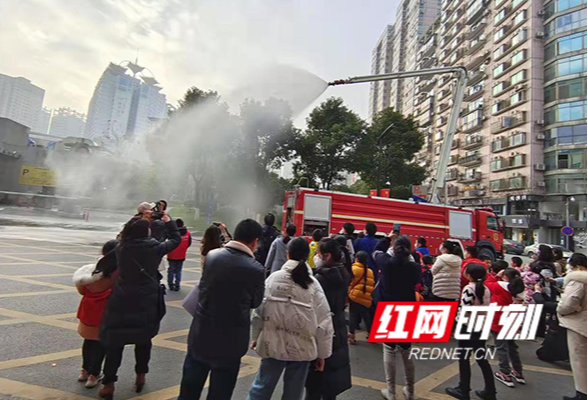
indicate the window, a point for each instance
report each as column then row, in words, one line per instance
column 474, row 8
column 492, row 223
column 517, row 183
column 474, row 105
column 472, row 120
column 575, row 134
column 518, row 139
column 566, row 22
column 520, row 17
column 499, row 34
column 558, row 6
column 518, row 57
column 569, row 183
column 565, row 112
column 498, row 144
column 499, row 51
column 518, row 160
column 565, row 89
column 499, row 69
column 496, row 107
column 565, row 159
column 565, row 44
column 497, row 164
column 565, row 66
column 500, row 16
column 517, row 98
column 518, row 77
column 519, row 37
column 499, row 88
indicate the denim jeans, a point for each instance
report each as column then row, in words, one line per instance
column 174, row 273
column 270, row 371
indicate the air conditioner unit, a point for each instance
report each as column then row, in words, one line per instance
column 540, row 136
column 518, row 88
column 540, row 167
column 540, row 122
column 541, row 13
column 515, row 133
column 541, row 183
column 540, row 34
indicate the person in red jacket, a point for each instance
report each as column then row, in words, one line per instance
column 94, row 282
column 471, row 256
column 506, row 290
column 176, row 258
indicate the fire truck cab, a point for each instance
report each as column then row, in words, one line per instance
column 311, row 209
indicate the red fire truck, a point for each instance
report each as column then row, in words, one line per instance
column 311, row 209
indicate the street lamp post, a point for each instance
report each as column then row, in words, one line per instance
column 378, row 142
column 569, row 200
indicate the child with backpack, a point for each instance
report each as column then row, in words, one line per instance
column 507, row 289
column 475, row 293
column 94, row 282
column 176, row 258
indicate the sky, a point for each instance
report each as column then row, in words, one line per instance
column 63, row 46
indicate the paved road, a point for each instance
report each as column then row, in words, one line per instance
column 40, row 348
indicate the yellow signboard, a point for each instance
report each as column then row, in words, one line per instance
column 36, row 176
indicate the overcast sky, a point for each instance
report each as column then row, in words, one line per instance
column 64, row 46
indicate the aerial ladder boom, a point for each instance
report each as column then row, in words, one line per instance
column 461, row 75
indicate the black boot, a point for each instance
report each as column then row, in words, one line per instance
column 458, row 393
column 578, row 396
column 484, row 395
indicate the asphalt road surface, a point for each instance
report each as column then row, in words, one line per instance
column 40, row 350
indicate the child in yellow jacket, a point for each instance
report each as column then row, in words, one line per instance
column 317, row 235
column 360, row 294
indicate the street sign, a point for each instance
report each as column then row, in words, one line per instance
column 373, row 192
column 385, row 193
column 567, row 230
column 420, row 191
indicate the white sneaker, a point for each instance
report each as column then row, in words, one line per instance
column 83, row 377
column 407, row 393
column 93, row 381
column 387, row 395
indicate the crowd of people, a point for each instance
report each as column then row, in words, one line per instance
column 287, row 298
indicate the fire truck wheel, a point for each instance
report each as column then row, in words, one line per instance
column 487, row 252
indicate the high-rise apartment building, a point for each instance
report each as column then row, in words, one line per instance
column 381, row 64
column 20, row 100
column 125, row 102
column 397, row 51
column 67, row 122
column 43, row 121
column 521, row 141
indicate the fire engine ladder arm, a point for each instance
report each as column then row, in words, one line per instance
column 462, row 78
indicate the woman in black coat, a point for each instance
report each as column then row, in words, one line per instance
column 398, row 278
column 334, row 377
column 135, row 307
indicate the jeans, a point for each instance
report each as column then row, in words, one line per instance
column 114, row 359
column 508, row 352
column 390, row 350
column 269, row 374
column 222, row 379
column 357, row 313
column 465, row 369
column 92, row 356
column 174, row 273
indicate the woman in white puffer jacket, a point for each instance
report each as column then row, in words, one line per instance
column 291, row 328
column 447, row 273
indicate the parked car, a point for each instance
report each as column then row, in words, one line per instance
column 531, row 250
column 512, row 247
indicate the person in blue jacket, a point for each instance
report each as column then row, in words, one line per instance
column 368, row 244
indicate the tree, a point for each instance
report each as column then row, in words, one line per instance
column 390, row 160
column 195, row 96
column 325, row 149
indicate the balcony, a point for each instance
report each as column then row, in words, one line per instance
column 471, row 160
column 476, row 44
column 472, row 142
column 477, row 61
column 427, row 86
column 502, row 164
column 455, row 144
column 473, row 93
column 473, row 193
column 455, row 57
column 475, row 11
column 472, row 121
column 442, row 107
column 446, row 3
column 452, row 190
column 451, row 174
column 510, row 142
column 453, row 159
column 514, row 183
column 508, row 122
column 470, row 178
column 443, row 94
column 477, row 29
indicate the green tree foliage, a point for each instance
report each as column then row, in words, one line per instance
column 325, row 149
column 390, row 159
